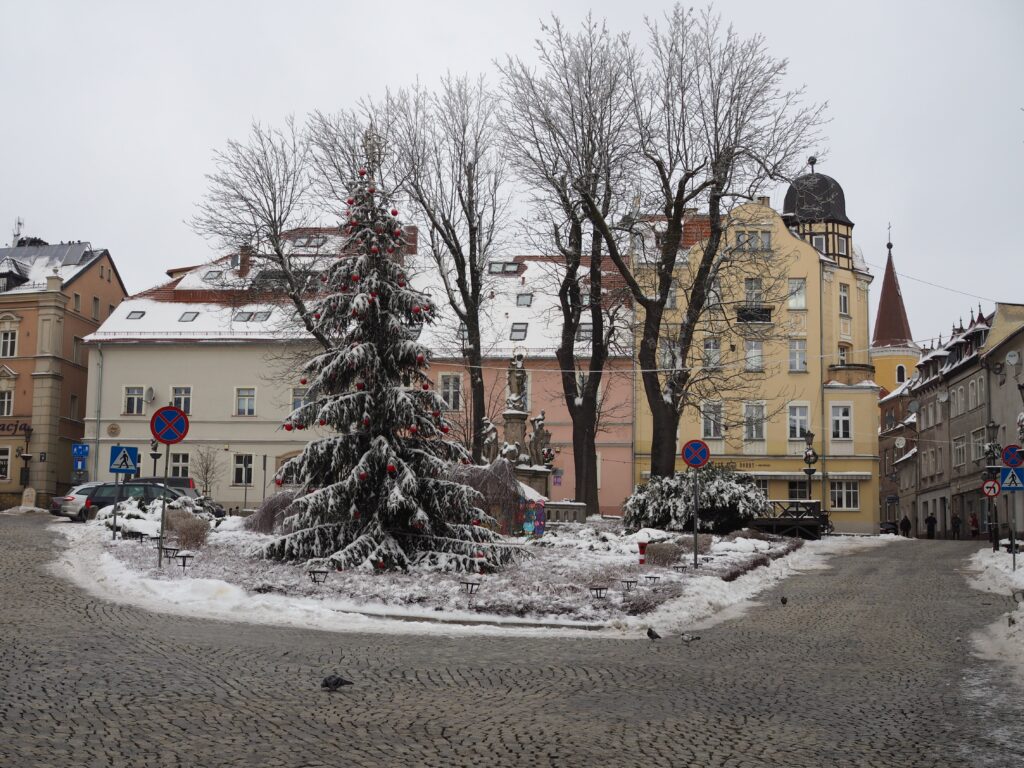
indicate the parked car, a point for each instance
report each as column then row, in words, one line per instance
column 69, row 504
column 105, row 494
column 888, row 526
column 187, row 486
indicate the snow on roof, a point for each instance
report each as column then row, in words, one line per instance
column 906, row 456
column 900, row 390
column 35, row 263
column 529, row 493
column 140, row 319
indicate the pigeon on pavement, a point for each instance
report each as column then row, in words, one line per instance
column 652, row 634
column 334, row 682
column 785, row 600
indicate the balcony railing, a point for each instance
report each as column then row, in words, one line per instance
column 754, row 313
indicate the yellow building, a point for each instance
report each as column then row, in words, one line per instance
column 783, row 350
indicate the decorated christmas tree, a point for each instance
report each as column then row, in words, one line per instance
column 379, row 491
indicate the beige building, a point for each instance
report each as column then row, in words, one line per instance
column 51, row 297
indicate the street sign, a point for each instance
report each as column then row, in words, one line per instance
column 990, row 488
column 79, row 465
column 1011, row 479
column 80, row 450
column 1013, row 456
column 696, row 453
column 169, row 425
column 123, row 460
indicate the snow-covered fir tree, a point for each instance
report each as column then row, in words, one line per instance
column 378, row 492
column 728, row 500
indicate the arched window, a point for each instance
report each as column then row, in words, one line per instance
column 901, row 374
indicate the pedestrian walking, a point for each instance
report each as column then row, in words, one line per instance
column 905, row 527
column 955, row 524
column 930, row 522
column 972, row 523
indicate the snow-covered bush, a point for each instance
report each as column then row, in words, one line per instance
column 191, row 529
column 270, row 514
column 728, row 500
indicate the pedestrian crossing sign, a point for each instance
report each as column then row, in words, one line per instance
column 1012, row 479
column 124, row 460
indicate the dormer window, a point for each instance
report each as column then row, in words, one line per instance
column 260, row 317
column 242, row 317
column 524, row 299
column 518, row 331
column 585, row 332
column 188, row 317
column 136, row 314
column 213, row 274
column 503, row 268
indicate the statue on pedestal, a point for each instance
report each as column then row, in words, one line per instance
column 516, row 400
column 540, row 442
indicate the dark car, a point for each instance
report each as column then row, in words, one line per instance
column 187, row 487
column 106, row 494
column 888, row 526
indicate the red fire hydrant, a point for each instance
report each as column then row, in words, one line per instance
column 642, row 546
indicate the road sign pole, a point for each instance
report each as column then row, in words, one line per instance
column 696, row 513
column 163, row 508
column 117, row 500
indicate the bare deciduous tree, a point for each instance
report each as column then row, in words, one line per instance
column 204, row 468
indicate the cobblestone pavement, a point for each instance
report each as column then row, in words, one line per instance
column 868, row 665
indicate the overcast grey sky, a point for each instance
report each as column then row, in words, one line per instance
column 114, row 108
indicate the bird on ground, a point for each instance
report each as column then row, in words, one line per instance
column 652, row 634
column 334, row 682
column 785, row 600
column 688, row 638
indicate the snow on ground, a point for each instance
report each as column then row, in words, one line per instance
column 1001, row 640
column 24, row 511
column 549, row 591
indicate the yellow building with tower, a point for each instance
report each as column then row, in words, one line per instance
column 782, row 350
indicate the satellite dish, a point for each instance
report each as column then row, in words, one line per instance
column 901, row 443
column 1012, row 357
column 913, row 406
column 943, row 397
column 150, row 395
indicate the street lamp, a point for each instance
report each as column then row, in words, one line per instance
column 154, row 454
column 25, row 456
column 991, row 472
column 810, row 455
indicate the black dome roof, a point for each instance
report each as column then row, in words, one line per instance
column 815, row 197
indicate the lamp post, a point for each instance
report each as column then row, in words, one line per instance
column 154, row 454
column 25, row 456
column 810, row 459
column 992, row 451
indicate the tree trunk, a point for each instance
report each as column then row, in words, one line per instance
column 585, row 460
column 478, row 408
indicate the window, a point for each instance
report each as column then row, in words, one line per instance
column 110, row 309
column 502, row 267
column 841, row 245
column 818, row 242
column 524, row 299
column 754, row 241
column 300, row 397
column 8, row 343
column 188, row 317
column 181, row 397
column 844, row 299
column 843, row 355
column 959, row 451
column 73, row 408
column 78, row 302
column 753, row 421
column 845, row 494
column 245, row 401
column 95, row 308
column 753, row 291
column 978, row 444
column 981, row 391
column 451, row 391
column 754, row 355
column 5, row 463
column 799, row 490
column 6, row 403
column 798, row 355
column 101, row 271
column 76, row 350
column 901, row 374
column 133, row 403
column 711, row 421
column 712, row 353
column 797, row 293
column 179, row 465
column 213, row 274
column 136, row 314
column 585, row 332
column 762, row 486
column 518, row 331
column 842, row 417
column 242, row 317
column 260, row 317
column 799, row 421
column 972, row 396
column 243, row 469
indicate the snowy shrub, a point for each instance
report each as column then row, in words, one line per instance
column 665, row 553
column 191, row 530
column 748, row 565
column 271, row 513
column 728, row 501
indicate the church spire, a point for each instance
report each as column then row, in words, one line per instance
column 892, row 329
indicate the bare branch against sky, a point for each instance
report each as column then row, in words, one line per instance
column 111, row 141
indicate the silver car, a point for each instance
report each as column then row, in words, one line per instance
column 71, row 503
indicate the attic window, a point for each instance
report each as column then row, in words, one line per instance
column 188, row 317
column 136, row 314
column 213, row 274
column 259, row 317
column 524, row 299
column 503, row 268
column 518, row 331
column 510, row 268
column 314, row 241
column 242, row 317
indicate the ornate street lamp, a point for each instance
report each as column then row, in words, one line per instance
column 810, row 455
column 154, row 454
column 25, row 456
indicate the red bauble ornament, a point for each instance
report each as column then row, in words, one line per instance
column 401, row 283
column 426, row 387
column 316, row 315
column 302, row 380
column 323, row 422
column 413, row 429
column 355, row 515
column 401, row 276
column 362, row 172
column 351, row 201
column 287, row 427
column 360, row 386
column 362, row 476
column 323, row 278
column 300, row 426
column 371, row 190
column 392, row 469
column 394, row 211
column 366, row 421
column 416, row 309
column 480, row 554
column 392, row 250
column 355, row 313
column 444, row 429
column 278, row 481
column 380, row 564
column 373, row 294
column 419, row 359
column 355, row 278
column 436, row 414
column 374, row 249
column 397, row 233
column 476, row 521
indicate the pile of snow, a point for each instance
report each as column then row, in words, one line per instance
column 23, row 511
column 1002, row 640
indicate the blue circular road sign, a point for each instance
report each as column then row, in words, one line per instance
column 169, row 425
column 696, row 453
column 1013, row 456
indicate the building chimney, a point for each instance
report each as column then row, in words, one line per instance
column 53, row 281
column 244, row 260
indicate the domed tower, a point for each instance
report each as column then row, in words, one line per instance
column 893, row 351
column 815, row 210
